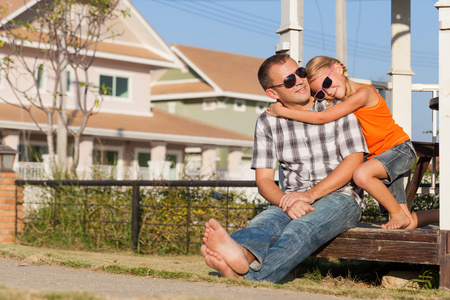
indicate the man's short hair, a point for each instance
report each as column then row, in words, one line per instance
column 263, row 72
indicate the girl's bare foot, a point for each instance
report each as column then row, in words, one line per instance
column 220, row 242
column 397, row 221
column 218, row 264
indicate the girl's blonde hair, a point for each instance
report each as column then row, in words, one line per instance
column 319, row 62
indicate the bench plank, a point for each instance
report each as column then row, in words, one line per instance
column 369, row 242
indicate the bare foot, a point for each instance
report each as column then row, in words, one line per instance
column 220, row 242
column 218, row 264
column 414, row 222
column 397, row 221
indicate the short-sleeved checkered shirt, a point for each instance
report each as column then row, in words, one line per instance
column 306, row 152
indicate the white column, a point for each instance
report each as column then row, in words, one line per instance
column 11, row 138
column 158, row 151
column 208, row 161
column 85, row 163
column 401, row 63
column 158, row 167
column 291, row 29
column 234, row 164
column 444, row 112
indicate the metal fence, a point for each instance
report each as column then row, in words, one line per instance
column 134, row 214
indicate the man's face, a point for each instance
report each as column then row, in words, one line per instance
column 298, row 95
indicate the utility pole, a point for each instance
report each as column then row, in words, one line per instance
column 291, row 29
column 341, row 32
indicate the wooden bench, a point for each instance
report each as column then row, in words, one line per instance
column 368, row 241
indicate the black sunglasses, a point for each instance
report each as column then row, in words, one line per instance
column 327, row 82
column 291, row 79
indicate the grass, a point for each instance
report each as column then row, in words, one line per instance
column 328, row 277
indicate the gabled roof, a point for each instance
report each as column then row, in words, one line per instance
column 136, row 42
column 12, row 6
column 222, row 74
column 162, row 126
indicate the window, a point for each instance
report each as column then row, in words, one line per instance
column 239, row 105
column 260, row 107
column 40, row 76
column 173, row 160
column 106, row 157
column 114, row 86
column 32, row 153
column 68, row 81
column 143, row 159
column 209, row 104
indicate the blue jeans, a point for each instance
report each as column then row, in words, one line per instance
column 280, row 243
column 397, row 161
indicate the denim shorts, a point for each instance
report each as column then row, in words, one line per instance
column 397, row 161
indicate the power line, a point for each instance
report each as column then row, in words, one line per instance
column 217, row 11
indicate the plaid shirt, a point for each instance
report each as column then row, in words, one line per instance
column 306, row 152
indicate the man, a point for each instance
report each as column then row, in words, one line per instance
column 317, row 162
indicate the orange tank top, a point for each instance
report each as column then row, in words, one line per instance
column 379, row 128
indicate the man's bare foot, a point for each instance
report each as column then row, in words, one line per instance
column 220, row 242
column 218, row 264
column 397, row 221
column 414, row 222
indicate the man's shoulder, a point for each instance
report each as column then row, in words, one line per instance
column 265, row 119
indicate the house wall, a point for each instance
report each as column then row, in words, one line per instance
column 137, row 102
column 225, row 113
column 23, row 80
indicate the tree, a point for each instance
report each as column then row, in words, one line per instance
column 54, row 38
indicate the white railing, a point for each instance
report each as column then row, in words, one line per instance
column 37, row 171
column 31, row 170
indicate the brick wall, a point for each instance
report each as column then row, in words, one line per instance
column 8, row 207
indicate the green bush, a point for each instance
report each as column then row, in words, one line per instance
column 171, row 219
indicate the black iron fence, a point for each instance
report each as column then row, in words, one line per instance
column 147, row 216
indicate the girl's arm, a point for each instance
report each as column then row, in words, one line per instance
column 352, row 103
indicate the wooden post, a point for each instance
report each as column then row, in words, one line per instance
column 444, row 260
column 11, row 214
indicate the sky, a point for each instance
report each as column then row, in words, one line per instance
column 248, row 27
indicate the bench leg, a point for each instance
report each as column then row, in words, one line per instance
column 444, row 260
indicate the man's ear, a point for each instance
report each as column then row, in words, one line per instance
column 272, row 94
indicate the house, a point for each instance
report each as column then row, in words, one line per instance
column 126, row 137
column 216, row 87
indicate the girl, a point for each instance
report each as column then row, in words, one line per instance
column 391, row 153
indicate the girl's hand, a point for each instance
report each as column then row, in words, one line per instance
column 275, row 109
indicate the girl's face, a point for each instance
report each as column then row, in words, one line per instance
column 320, row 83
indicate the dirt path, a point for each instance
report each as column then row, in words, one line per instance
column 17, row 274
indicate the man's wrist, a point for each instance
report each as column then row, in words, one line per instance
column 312, row 196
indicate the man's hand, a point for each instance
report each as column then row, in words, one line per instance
column 289, row 199
column 299, row 209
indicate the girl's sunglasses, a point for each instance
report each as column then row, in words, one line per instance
column 291, row 79
column 320, row 95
